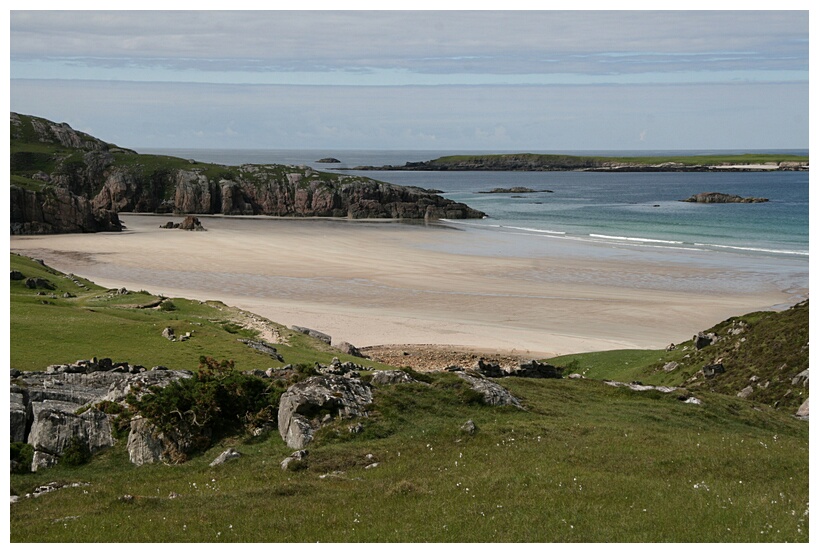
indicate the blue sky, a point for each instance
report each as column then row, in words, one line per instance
column 480, row 80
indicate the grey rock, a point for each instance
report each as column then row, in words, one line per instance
column 638, row 387
column 386, row 378
column 746, row 392
column 263, row 347
column 54, row 429
column 720, row 198
column 145, row 443
column 469, row 427
column 702, row 340
column 670, row 366
column 168, row 333
column 299, row 455
column 227, row 455
column 804, row 410
column 326, row 338
column 302, row 405
column 801, row 379
column 710, row 371
column 19, row 414
column 493, row 393
column 349, row 349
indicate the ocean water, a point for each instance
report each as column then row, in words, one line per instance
column 637, row 210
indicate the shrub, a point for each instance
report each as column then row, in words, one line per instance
column 77, row 453
column 167, row 305
column 22, row 455
column 217, row 402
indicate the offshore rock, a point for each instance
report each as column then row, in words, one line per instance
column 720, row 198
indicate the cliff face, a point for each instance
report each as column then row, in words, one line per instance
column 111, row 179
column 57, row 210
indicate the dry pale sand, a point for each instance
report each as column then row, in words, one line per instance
column 385, row 283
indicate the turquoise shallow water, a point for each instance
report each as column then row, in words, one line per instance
column 617, row 208
column 634, row 217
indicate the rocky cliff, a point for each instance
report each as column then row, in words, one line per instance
column 87, row 180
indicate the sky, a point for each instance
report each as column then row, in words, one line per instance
column 521, row 80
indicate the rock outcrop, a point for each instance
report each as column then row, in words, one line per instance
column 493, row 393
column 309, row 403
column 720, row 198
column 56, row 210
column 55, row 409
column 83, row 187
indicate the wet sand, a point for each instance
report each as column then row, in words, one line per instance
column 371, row 283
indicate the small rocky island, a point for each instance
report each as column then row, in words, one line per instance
column 513, row 190
column 720, row 198
column 328, row 160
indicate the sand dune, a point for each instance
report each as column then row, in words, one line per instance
column 385, row 283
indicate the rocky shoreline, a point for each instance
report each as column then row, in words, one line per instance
column 85, row 182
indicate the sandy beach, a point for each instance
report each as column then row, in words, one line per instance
column 372, row 283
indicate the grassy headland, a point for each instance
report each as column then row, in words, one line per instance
column 560, row 162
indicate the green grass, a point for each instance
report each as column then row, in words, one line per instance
column 766, row 356
column 547, row 159
column 585, row 463
column 48, row 330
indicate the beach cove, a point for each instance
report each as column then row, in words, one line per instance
column 378, row 282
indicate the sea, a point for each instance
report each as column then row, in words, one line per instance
column 618, row 209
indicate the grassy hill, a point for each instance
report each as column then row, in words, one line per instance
column 764, row 351
column 583, row 462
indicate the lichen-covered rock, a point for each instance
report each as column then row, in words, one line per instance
column 493, row 393
column 303, row 406
column 385, row 378
column 44, row 405
column 145, row 443
column 54, row 429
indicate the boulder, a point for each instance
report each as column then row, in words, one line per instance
column 801, row 379
column 54, row 429
column 746, row 392
column 263, row 347
column 386, row 378
column 227, row 455
column 145, row 443
column 702, row 340
column 493, row 393
column 349, row 349
column 305, row 404
column 670, row 366
column 294, row 460
column 710, row 371
column 804, row 410
column 489, row 370
column 191, row 223
column 535, row 369
column 326, row 338
column 469, row 427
